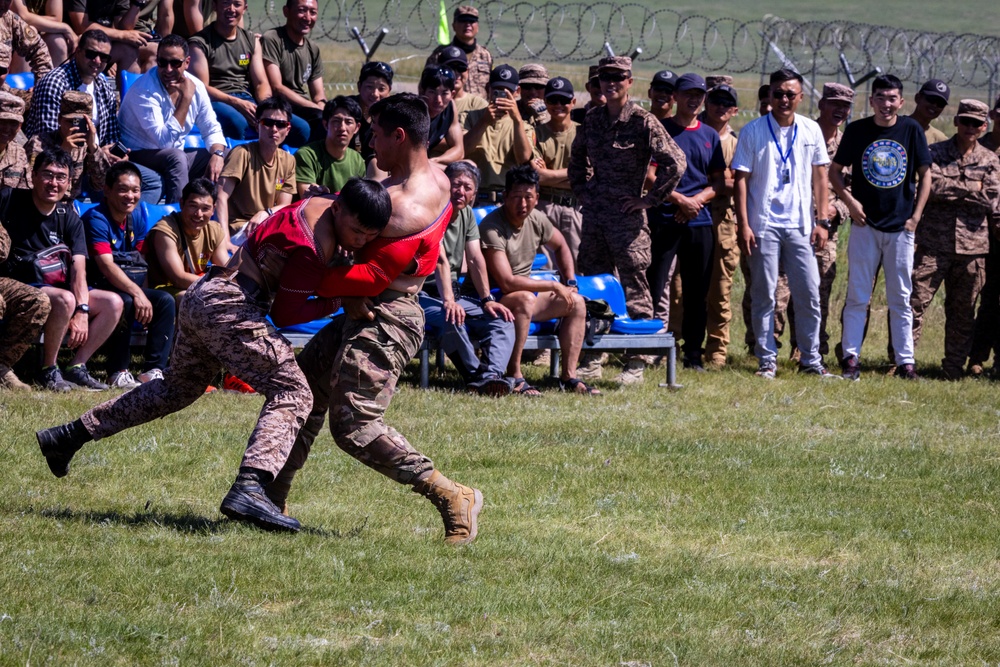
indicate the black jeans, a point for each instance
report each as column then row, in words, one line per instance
column 693, row 247
column 159, row 335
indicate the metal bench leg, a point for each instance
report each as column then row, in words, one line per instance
column 554, row 363
column 672, row 369
column 440, row 360
column 425, row 368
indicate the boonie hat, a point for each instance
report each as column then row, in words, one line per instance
column 973, row 109
column 936, row 88
column 838, row 92
column 716, row 80
column 466, row 14
column 691, row 81
column 559, row 87
column 664, row 79
column 592, row 73
column 76, row 104
column 615, row 64
column 11, row 107
column 504, row 76
column 533, row 75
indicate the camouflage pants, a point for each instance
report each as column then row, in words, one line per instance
column 352, row 367
column 568, row 220
column 827, row 261
column 988, row 317
column 23, row 310
column 613, row 242
column 781, row 297
column 219, row 324
column 720, row 287
column 963, row 277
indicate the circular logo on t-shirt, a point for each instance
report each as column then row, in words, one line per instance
column 884, row 163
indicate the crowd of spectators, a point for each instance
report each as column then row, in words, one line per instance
column 671, row 200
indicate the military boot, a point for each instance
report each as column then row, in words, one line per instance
column 459, row 506
column 246, row 501
column 60, row 443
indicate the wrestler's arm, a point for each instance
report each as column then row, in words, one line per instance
column 376, row 266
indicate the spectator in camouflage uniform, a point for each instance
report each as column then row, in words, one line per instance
column 479, row 60
column 617, row 141
column 988, row 317
column 953, row 237
column 23, row 311
column 17, row 36
column 531, row 104
column 15, row 171
column 81, row 145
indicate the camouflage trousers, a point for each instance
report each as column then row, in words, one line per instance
column 781, row 297
column 963, row 277
column 220, row 324
column 613, row 242
column 568, row 220
column 826, row 259
column 23, row 310
column 720, row 288
column 352, row 367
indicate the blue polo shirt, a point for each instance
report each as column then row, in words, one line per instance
column 703, row 150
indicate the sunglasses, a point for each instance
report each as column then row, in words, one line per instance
column 558, row 100
column 784, row 94
column 165, row 63
column 971, row 122
column 94, row 54
column 458, row 67
column 274, row 122
column 723, row 102
column 379, row 68
column 612, row 76
column 446, row 73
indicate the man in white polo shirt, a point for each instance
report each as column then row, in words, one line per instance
column 780, row 170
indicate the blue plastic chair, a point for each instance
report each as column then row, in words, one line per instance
column 233, row 143
column 155, row 212
column 311, row 328
column 483, row 211
column 83, row 206
column 606, row 286
column 290, row 149
column 127, row 79
column 21, row 80
column 194, row 141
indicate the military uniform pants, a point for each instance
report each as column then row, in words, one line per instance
column 963, row 277
column 720, row 288
column 568, row 220
column 615, row 242
column 984, row 341
column 24, row 310
column 220, row 324
column 352, row 367
column 826, row 260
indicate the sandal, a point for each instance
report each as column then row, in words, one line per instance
column 578, row 386
column 522, row 388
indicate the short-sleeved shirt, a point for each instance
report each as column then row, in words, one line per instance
column 313, row 164
column 30, row 231
column 299, row 64
column 934, row 135
column 462, row 230
column 195, row 253
column 884, row 163
column 703, row 151
column 520, row 245
column 100, row 11
column 494, row 154
column 105, row 236
column 228, row 59
column 257, row 183
column 555, row 148
column 467, row 103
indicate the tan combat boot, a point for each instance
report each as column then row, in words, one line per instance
column 459, row 506
column 632, row 373
column 10, row 381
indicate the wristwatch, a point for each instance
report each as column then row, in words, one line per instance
column 824, row 223
column 82, row 308
column 219, row 153
column 488, row 299
column 571, row 282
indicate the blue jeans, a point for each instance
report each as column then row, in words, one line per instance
column 793, row 249
column 495, row 336
column 236, row 126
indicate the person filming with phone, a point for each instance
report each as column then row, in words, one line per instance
column 497, row 138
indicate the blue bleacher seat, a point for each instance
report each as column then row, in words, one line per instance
column 21, row 80
column 606, row 286
column 290, row 149
column 127, row 79
column 483, row 211
column 233, row 143
column 541, row 259
column 311, row 328
column 194, row 141
column 83, row 206
column 156, row 212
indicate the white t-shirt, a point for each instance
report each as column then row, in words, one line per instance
column 89, row 89
column 783, row 209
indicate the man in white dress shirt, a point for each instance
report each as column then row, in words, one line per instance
column 780, row 169
column 160, row 110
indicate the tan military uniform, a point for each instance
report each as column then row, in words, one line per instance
column 559, row 203
column 934, row 135
column 23, row 309
column 619, row 150
column 952, row 241
column 987, row 336
column 727, row 258
column 466, row 104
column 18, row 36
column 494, row 154
column 15, row 171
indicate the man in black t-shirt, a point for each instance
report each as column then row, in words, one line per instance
column 38, row 219
column 886, row 153
column 118, row 19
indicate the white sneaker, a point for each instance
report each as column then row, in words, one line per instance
column 123, row 380
column 150, row 375
column 632, row 373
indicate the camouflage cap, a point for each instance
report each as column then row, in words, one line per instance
column 973, row 109
column 76, row 103
column 615, row 63
column 466, row 14
column 533, row 75
column 718, row 80
column 593, row 71
column 838, row 92
column 11, row 107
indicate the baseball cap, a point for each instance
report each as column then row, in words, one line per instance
column 466, row 14
column 533, row 75
column 936, row 88
column 76, row 104
column 724, row 93
column 837, row 92
column 504, row 76
column 11, row 107
column 453, row 57
column 592, row 73
column 691, row 81
column 973, row 109
column 615, row 63
column 715, row 80
column 559, row 87
column 664, row 79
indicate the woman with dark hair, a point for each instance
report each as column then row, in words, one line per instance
column 437, row 88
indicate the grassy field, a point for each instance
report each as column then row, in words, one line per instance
column 735, row 522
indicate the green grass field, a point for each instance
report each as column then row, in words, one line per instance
column 734, row 522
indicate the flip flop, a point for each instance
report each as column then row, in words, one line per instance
column 522, row 388
column 578, row 386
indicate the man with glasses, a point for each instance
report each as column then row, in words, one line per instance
column 294, row 66
column 85, row 72
column 259, row 177
column 780, row 166
column 987, row 336
column 478, row 58
column 953, row 237
column 119, row 21
column 158, row 113
column 607, row 171
column 325, row 166
column 886, row 153
column 931, row 100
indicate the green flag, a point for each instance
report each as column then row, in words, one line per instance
column 443, row 35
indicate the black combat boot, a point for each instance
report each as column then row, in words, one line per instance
column 60, row 443
column 246, row 501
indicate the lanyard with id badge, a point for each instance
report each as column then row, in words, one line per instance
column 785, row 172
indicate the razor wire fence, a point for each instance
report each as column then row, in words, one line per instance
column 581, row 32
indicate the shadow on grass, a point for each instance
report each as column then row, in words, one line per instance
column 183, row 523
